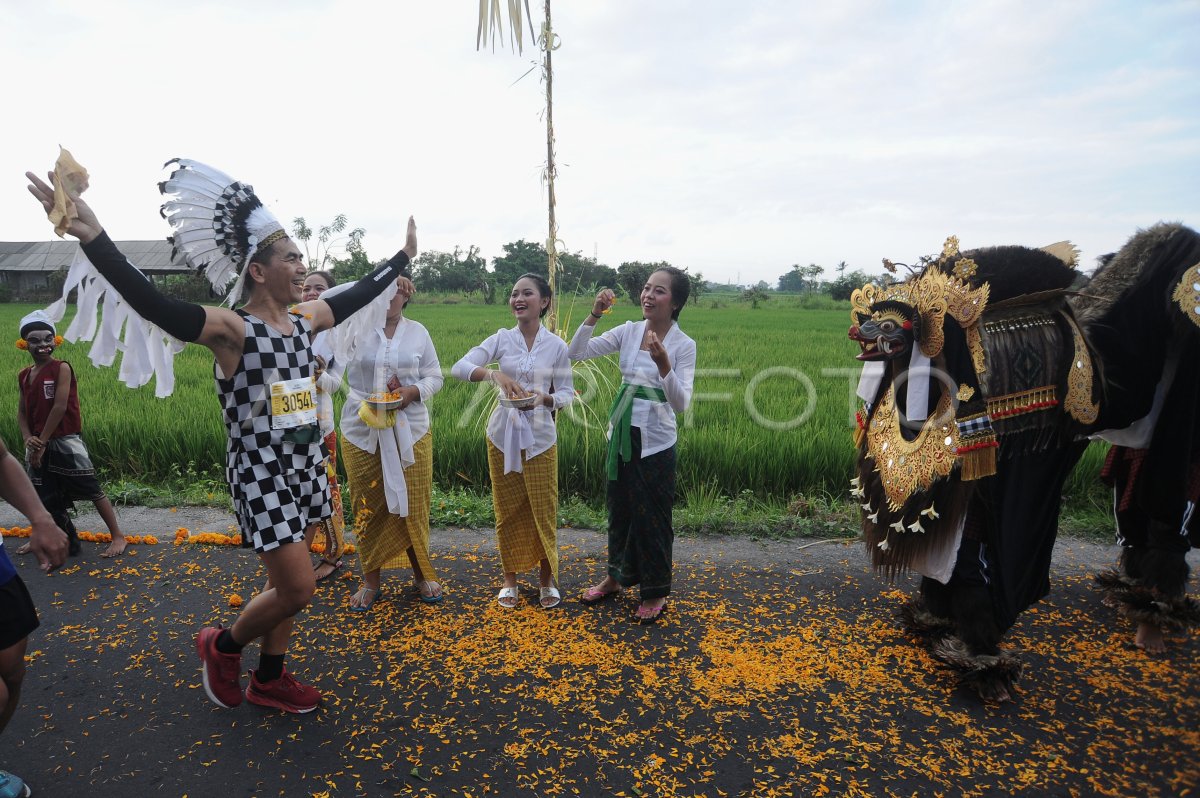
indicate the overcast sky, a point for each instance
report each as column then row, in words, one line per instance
column 734, row 139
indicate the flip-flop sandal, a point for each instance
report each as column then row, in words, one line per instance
column 337, row 566
column 592, row 596
column 507, row 593
column 647, row 616
column 421, row 593
column 375, row 594
column 550, row 592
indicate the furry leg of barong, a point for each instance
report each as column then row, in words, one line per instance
column 526, row 505
column 990, row 676
column 920, row 620
column 384, row 538
column 1142, row 604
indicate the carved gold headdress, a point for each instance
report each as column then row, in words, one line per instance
column 941, row 289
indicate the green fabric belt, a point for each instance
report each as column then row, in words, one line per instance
column 620, row 416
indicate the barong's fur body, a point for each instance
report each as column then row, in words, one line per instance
column 1045, row 364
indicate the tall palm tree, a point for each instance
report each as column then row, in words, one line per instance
column 491, row 24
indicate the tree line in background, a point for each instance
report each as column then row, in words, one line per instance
column 807, row 280
column 466, row 271
column 339, row 249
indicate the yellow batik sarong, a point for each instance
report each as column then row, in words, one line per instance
column 330, row 532
column 384, row 538
column 526, row 505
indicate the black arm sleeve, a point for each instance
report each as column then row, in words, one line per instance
column 184, row 320
column 356, row 297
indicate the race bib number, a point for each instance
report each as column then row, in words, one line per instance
column 292, row 403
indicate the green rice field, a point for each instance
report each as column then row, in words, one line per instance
column 772, row 414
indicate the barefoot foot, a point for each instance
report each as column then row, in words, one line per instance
column 116, row 548
column 1150, row 638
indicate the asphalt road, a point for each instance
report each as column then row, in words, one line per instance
column 779, row 670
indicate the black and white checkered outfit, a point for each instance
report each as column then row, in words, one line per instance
column 278, row 487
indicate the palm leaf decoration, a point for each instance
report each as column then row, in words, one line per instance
column 491, row 26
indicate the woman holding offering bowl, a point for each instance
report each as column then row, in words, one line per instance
column 533, row 375
column 387, row 447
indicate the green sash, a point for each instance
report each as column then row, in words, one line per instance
column 620, row 416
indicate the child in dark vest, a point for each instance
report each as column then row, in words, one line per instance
column 50, row 422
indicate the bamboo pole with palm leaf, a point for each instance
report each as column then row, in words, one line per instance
column 491, row 23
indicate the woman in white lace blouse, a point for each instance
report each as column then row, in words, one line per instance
column 658, row 363
column 389, row 454
column 533, row 375
column 327, row 374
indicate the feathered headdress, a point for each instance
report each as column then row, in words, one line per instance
column 219, row 223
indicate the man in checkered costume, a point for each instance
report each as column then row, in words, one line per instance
column 263, row 370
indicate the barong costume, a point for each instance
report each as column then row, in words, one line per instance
column 977, row 387
column 1142, row 311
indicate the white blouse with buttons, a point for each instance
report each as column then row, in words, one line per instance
column 543, row 367
column 408, row 355
column 655, row 419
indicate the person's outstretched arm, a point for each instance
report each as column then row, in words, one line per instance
column 582, row 346
column 47, row 542
column 325, row 313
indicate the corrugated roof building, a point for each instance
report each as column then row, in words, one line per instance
column 36, row 269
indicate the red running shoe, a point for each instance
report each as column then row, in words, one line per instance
column 222, row 674
column 283, row 693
